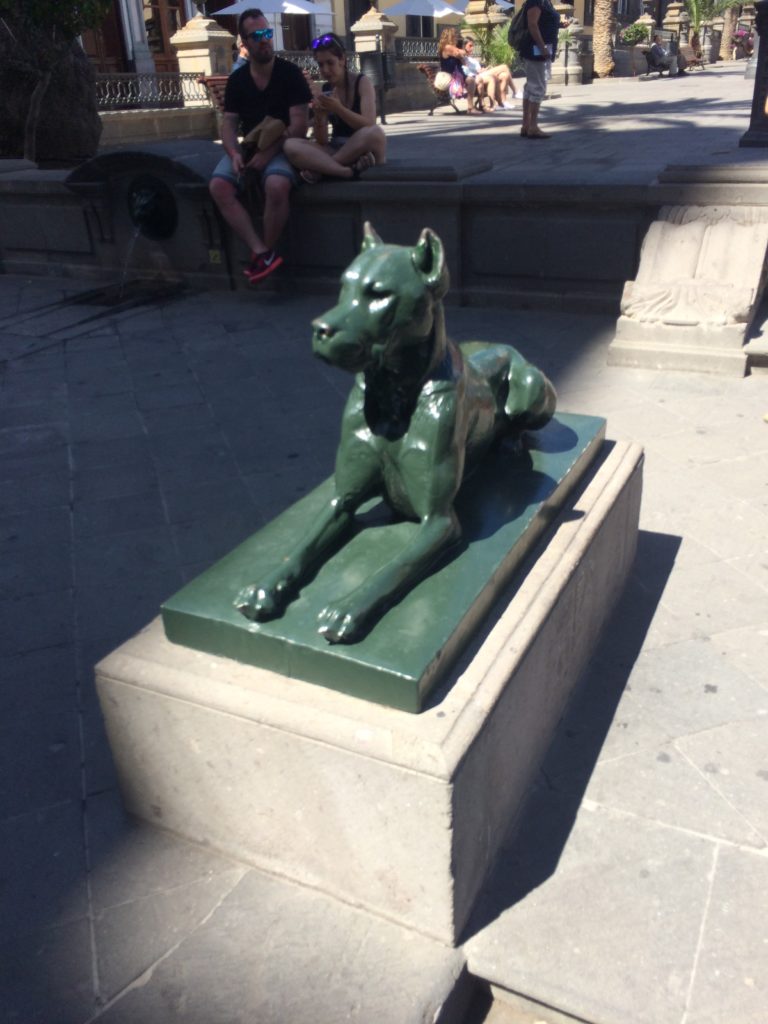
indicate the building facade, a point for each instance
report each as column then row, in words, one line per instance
column 136, row 34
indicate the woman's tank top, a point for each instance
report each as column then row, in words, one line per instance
column 341, row 130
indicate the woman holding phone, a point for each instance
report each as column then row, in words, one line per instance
column 347, row 139
column 537, row 51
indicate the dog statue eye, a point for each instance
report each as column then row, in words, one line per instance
column 379, row 296
column 380, row 302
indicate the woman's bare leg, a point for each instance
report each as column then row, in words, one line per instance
column 488, row 82
column 504, row 79
column 471, row 87
column 366, row 140
column 306, row 155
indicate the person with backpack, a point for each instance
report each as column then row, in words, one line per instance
column 533, row 33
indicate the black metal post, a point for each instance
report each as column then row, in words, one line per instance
column 757, row 133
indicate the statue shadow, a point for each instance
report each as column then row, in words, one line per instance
column 539, row 833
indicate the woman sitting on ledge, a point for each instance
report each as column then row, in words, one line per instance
column 348, row 104
column 493, row 82
column 452, row 57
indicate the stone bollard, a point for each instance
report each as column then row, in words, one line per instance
column 203, row 47
column 375, row 43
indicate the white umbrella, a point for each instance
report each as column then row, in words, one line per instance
column 426, row 8
column 275, row 7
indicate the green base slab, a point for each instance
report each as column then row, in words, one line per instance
column 503, row 507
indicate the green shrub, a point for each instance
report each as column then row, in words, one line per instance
column 634, row 34
column 492, row 44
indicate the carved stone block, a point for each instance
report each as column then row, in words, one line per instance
column 702, row 273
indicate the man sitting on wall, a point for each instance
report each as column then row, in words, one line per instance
column 266, row 86
column 662, row 58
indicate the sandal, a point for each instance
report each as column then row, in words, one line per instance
column 363, row 163
column 310, row 177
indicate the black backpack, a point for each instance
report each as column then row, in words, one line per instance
column 518, row 28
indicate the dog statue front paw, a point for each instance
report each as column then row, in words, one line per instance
column 259, row 603
column 339, row 625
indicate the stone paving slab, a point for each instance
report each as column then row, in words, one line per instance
column 254, row 948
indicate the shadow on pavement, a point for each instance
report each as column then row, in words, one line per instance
column 541, row 832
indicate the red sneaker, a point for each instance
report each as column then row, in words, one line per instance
column 262, row 265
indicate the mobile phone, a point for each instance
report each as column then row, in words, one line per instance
column 537, row 51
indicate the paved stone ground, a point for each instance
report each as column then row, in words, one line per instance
column 617, row 132
column 137, row 448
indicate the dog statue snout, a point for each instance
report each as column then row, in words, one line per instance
column 336, row 346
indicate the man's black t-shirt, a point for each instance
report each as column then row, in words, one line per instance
column 287, row 88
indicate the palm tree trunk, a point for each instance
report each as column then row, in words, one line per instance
column 602, row 38
column 730, row 21
column 33, row 115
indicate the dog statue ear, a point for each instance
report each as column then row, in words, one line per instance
column 429, row 259
column 370, row 238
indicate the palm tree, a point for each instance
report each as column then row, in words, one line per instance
column 602, row 37
column 700, row 11
column 730, row 21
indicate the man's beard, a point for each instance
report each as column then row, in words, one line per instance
column 263, row 56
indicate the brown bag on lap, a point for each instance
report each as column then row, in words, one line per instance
column 266, row 132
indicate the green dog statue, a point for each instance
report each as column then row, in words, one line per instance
column 421, row 409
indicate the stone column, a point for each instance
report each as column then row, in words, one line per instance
column 673, row 16
column 204, row 48
column 135, row 35
column 484, row 14
column 374, row 33
column 757, row 133
column 566, row 69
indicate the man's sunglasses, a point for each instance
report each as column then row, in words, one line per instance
column 261, row 33
column 322, row 41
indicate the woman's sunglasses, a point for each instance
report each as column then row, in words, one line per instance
column 322, row 41
column 261, row 33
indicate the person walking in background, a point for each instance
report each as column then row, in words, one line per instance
column 537, row 51
column 240, row 56
column 266, row 86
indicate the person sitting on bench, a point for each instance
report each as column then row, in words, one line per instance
column 452, row 57
column 493, row 82
column 663, row 59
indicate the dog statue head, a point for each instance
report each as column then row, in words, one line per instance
column 389, row 301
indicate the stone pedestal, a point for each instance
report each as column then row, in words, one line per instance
column 484, row 14
column 374, row 32
column 701, row 276
column 203, row 48
column 673, row 17
column 400, row 814
column 567, row 68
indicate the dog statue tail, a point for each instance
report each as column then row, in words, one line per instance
column 531, row 400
